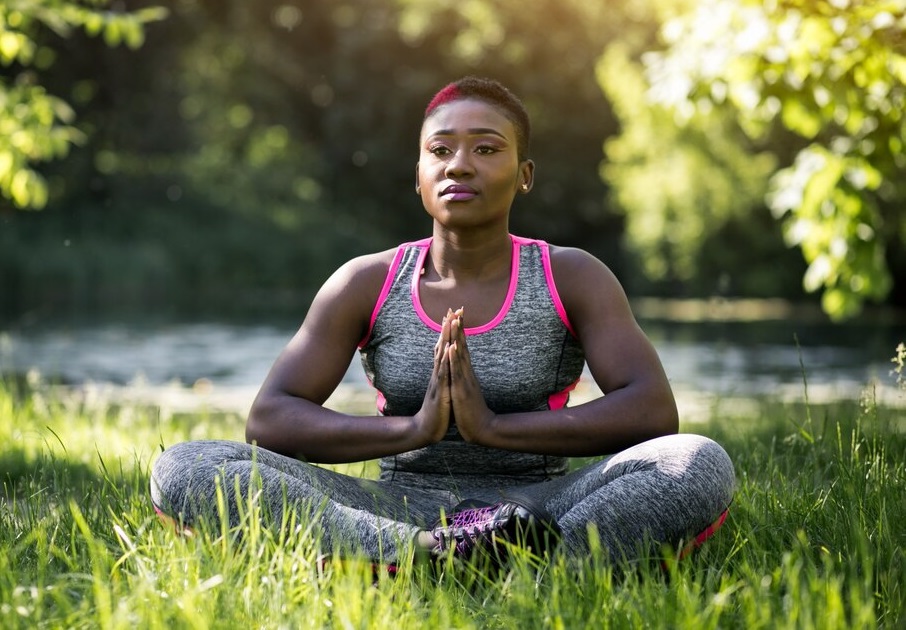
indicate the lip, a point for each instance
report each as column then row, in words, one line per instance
column 458, row 192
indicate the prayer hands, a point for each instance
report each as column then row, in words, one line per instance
column 436, row 413
column 454, row 393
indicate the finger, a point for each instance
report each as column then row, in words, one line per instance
column 444, row 336
column 454, row 368
column 457, row 319
column 438, row 348
column 443, row 373
column 458, row 363
column 460, row 339
column 459, row 315
column 446, row 327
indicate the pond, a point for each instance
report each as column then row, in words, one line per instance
column 220, row 365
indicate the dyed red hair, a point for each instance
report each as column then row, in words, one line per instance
column 446, row 95
column 494, row 94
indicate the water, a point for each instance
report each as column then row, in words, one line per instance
column 221, row 365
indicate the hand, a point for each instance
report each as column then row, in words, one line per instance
column 435, row 415
column 471, row 412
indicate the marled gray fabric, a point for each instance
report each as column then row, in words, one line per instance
column 665, row 490
column 526, row 358
column 661, row 491
column 353, row 513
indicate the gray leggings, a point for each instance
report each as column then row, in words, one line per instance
column 665, row 490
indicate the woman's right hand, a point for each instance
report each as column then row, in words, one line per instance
column 435, row 415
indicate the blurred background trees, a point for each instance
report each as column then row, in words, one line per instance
column 34, row 125
column 815, row 93
column 244, row 150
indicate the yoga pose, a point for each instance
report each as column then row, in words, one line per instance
column 473, row 339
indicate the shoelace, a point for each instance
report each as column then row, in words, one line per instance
column 473, row 517
column 472, row 524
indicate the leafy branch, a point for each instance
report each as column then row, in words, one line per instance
column 36, row 126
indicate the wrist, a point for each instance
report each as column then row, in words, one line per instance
column 480, row 430
column 427, row 428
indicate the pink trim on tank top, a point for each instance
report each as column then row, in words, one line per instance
column 475, row 330
column 385, row 291
column 381, row 401
column 549, row 278
column 558, row 400
column 424, row 246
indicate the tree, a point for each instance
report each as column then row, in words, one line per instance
column 36, row 126
column 833, row 74
column 681, row 186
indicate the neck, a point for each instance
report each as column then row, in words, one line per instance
column 458, row 256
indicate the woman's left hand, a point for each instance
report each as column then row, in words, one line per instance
column 470, row 411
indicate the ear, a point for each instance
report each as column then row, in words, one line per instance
column 418, row 189
column 526, row 176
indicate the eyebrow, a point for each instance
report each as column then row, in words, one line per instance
column 474, row 131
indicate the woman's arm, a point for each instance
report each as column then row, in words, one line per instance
column 638, row 402
column 288, row 416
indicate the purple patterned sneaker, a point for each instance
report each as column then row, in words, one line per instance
column 474, row 525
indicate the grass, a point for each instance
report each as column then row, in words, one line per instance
column 815, row 538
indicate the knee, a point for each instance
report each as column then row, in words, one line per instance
column 176, row 458
column 701, row 461
column 712, row 467
column 167, row 471
column 175, row 468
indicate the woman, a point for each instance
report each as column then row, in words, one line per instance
column 474, row 339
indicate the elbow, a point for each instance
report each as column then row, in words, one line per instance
column 257, row 424
column 668, row 415
column 661, row 416
column 656, row 413
column 267, row 427
column 670, row 421
column 252, row 431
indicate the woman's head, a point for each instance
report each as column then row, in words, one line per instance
column 493, row 93
column 471, row 154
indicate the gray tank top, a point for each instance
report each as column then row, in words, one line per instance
column 527, row 358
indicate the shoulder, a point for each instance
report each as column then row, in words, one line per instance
column 589, row 290
column 572, row 266
column 351, row 291
column 363, row 272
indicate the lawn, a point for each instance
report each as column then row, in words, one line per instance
column 815, row 537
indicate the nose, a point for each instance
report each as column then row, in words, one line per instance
column 459, row 163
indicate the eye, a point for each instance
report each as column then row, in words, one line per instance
column 486, row 149
column 439, row 150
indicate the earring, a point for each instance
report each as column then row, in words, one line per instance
column 418, row 190
column 525, row 187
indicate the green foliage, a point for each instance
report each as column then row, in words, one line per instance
column 835, row 225
column 814, row 538
column 248, row 148
column 679, row 186
column 34, row 125
column 833, row 73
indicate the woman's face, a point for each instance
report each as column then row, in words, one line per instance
column 468, row 170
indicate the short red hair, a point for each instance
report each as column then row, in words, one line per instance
column 493, row 93
column 447, row 94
